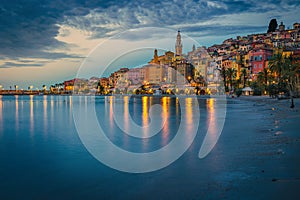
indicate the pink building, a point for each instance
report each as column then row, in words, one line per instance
column 135, row 75
column 259, row 59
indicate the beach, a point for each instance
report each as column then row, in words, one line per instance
column 266, row 159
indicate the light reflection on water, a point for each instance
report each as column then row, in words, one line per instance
column 31, row 115
column 17, row 112
column 1, row 113
column 135, row 107
column 211, row 115
column 47, row 114
column 136, row 110
column 43, row 129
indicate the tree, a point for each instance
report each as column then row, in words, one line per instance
column 231, row 74
column 290, row 75
column 287, row 74
column 275, row 65
column 100, row 88
column 272, row 25
column 44, row 88
column 244, row 75
column 263, row 78
column 224, row 76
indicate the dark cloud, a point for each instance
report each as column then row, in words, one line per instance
column 215, row 30
column 28, row 28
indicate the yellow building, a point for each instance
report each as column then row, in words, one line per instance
column 154, row 73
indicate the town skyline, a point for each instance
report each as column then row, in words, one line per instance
column 184, row 52
column 45, row 42
column 236, row 63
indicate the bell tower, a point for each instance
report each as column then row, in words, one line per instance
column 178, row 46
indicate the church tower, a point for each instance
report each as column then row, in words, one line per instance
column 155, row 58
column 178, row 46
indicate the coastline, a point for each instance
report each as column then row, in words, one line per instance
column 271, row 158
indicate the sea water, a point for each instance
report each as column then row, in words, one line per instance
column 42, row 155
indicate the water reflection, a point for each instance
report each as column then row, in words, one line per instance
column 1, row 113
column 52, row 110
column 126, row 112
column 70, row 110
column 45, row 116
column 211, row 115
column 168, row 120
column 111, row 114
column 31, row 115
column 189, row 115
column 17, row 113
column 145, row 109
column 165, row 101
column 126, row 117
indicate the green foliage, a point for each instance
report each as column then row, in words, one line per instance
column 226, row 89
column 272, row 25
column 287, row 73
column 273, row 90
column 257, row 92
column 238, row 92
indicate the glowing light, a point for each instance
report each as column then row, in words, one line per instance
column 17, row 112
column 31, row 114
column 145, row 109
column 45, row 102
column 164, row 115
column 211, row 114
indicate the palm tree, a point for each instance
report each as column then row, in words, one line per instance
column 244, row 75
column 287, row 72
column 290, row 74
column 276, row 64
column 231, row 74
column 224, row 76
column 44, row 88
column 263, row 78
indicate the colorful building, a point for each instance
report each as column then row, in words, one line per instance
column 69, row 85
column 259, row 59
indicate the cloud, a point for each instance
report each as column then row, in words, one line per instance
column 214, row 4
column 30, row 28
column 27, row 28
column 13, row 64
column 228, row 16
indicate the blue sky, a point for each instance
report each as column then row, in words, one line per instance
column 44, row 42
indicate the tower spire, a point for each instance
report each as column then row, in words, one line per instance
column 178, row 45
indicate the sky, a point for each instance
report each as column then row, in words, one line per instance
column 49, row 41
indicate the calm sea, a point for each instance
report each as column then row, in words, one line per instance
column 42, row 155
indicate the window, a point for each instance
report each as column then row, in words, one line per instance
column 254, row 67
column 260, row 66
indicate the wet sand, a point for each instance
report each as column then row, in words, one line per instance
column 268, row 157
